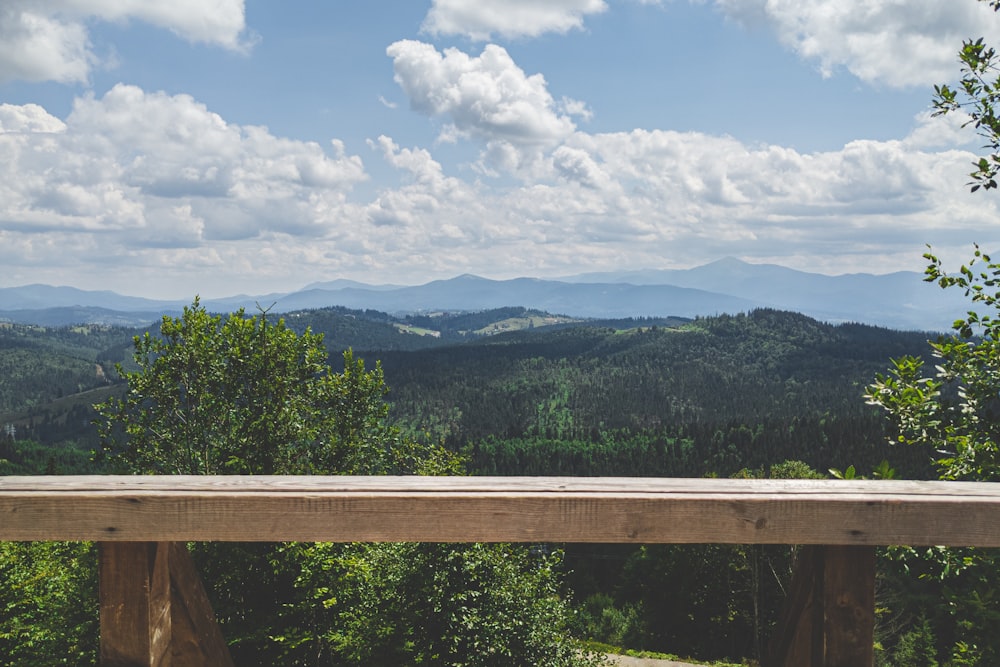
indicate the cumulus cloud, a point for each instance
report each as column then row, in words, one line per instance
column 715, row 192
column 896, row 43
column 150, row 186
column 479, row 20
column 487, row 96
column 932, row 131
column 48, row 40
column 603, row 200
column 156, row 169
column 642, row 194
column 424, row 207
column 28, row 118
column 639, row 197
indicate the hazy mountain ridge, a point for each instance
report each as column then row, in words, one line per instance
column 899, row 300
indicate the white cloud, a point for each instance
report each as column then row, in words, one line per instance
column 577, row 165
column 219, row 22
column 36, row 47
column 576, row 108
column 896, row 43
column 660, row 198
column 942, row 131
column 416, row 207
column 28, row 118
column 153, row 189
column 153, row 169
column 48, row 40
column 480, row 20
column 487, row 96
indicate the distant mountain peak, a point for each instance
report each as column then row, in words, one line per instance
column 728, row 260
column 727, row 285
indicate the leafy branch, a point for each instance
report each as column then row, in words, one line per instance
column 977, row 95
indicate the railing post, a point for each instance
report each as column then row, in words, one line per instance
column 135, row 604
column 154, row 609
column 829, row 616
column 849, row 605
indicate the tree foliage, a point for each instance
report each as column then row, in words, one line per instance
column 951, row 412
column 433, row 604
column 48, row 610
column 712, row 396
column 244, row 395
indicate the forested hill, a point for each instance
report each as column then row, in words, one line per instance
column 38, row 364
column 711, row 396
column 557, row 396
column 374, row 331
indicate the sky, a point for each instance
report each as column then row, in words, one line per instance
column 222, row 147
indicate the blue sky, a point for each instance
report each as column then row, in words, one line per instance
column 168, row 149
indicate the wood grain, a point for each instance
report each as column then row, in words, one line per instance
column 849, row 606
column 800, row 625
column 829, row 616
column 196, row 639
column 135, row 604
column 491, row 509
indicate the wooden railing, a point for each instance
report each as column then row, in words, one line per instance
column 154, row 610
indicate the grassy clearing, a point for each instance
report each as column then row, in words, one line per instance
column 526, row 322
column 419, row 331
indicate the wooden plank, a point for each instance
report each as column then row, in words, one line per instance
column 497, row 509
column 450, row 509
column 297, row 484
column 134, row 604
column 196, row 639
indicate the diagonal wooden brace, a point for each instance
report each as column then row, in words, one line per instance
column 154, row 609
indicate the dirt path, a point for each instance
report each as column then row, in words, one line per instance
column 627, row 661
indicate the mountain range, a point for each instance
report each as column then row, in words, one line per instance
column 899, row 300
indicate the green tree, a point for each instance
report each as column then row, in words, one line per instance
column 48, row 609
column 242, row 395
column 245, row 395
column 434, row 604
column 953, row 413
column 977, row 95
column 916, row 648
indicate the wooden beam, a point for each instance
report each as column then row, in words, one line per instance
column 489, row 509
column 135, row 604
column 829, row 616
column 196, row 640
column 849, row 606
